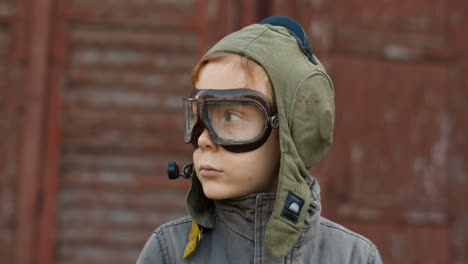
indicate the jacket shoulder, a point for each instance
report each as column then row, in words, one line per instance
column 174, row 224
column 331, row 227
column 167, row 243
column 352, row 245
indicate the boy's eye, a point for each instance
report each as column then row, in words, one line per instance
column 231, row 117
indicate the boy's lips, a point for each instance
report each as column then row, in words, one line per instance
column 207, row 170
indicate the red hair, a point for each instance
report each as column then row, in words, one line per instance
column 255, row 73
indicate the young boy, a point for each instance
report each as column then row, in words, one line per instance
column 260, row 116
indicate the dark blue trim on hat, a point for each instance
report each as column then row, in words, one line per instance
column 295, row 30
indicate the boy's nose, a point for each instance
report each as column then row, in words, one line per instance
column 205, row 141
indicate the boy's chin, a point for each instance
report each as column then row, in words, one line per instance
column 216, row 195
column 213, row 193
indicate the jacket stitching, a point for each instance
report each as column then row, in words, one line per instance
column 162, row 245
column 182, row 221
column 371, row 258
column 348, row 232
column 160, row 235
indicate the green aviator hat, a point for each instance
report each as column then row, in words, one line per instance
column 305, row 100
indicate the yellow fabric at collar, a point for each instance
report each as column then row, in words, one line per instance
column 194, row 238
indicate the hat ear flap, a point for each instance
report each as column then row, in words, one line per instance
column 313, row 119
column 199, row 206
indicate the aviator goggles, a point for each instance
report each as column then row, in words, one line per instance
column 239, row 120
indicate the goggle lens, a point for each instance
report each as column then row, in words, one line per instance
column 239, row 120
column 235, row 121
column 191, row 117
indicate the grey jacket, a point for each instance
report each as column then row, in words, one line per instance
column 239, row 238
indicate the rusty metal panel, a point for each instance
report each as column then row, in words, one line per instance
column 458, row 159
column 221, row 17
column 47, row 215
column 32, row 131
column 219, row 20
column 409, row 30
column 397, row 30
column 128, row 65
column 387, row 174
column 392, row 133
column 8, row 139
column 401, row 243
column 389, row 162
column 11, row 116
column 118, row 69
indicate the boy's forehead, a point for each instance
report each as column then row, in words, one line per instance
column 221, row 75
column 229, row 94
column 231, row 74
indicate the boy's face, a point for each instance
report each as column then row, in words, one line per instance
column 225, row 174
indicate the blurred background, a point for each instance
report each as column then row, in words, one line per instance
column 90, row 114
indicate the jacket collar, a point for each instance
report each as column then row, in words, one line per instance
column 245, row 214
